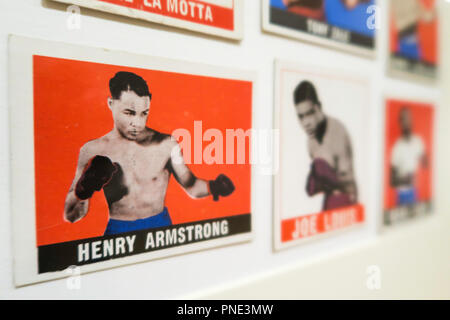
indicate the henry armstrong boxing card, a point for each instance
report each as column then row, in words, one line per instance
column 119, row 158
column 345, row 24
column 414, row 40
column 224, row 18
column 408, row 159
column 320, row 187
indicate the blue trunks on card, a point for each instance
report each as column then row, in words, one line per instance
column 162, row 219
column 406, row 197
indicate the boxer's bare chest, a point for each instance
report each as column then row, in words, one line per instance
column 140, row 165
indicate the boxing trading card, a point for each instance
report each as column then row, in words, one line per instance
column 413, row 36
column 222, row 18
column 320, row 187
column 119, row 158
column 343, row 24
column 408, row 161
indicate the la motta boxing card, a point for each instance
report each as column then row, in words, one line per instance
column 344, row 24
column 414, row 39
column 222, row 18
column 408, row 160
column 120, row 158
column 320, row 187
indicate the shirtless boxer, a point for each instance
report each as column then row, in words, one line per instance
column 132, row 164
column 408, row 154
column 330, row 149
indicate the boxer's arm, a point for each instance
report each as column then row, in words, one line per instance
column 424, row 161
column 345, row 170
column 423, row 154
column 74, row 208
column 195, row 187
column 345, row 174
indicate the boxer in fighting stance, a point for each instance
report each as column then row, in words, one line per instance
column 132, row 164
column 330, row 149
column 408, row 154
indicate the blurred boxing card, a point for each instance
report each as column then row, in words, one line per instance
column 321, row 185
column 344, row 24
column 408, row 160
column 414, row 38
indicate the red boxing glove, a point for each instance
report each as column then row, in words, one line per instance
column 322, row 178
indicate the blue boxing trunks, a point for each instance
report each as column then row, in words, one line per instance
column 162, row 219
column 406, row 197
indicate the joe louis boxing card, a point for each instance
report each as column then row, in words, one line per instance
column 320, row 187
column 408, row 160
column 119, row 158
column 414, row 39
column 224, row 18
column 344, row 24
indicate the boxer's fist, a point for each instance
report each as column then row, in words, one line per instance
column 96, row 174
column 313, row 186
column 322, row 178
column 222, row 186
column 324, row 172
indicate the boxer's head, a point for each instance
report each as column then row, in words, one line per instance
column 405, row 121
column 308, row 107
column 129, row 103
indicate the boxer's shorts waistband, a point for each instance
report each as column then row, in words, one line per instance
column 162, row 219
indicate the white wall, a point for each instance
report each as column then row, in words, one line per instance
column 414, row 259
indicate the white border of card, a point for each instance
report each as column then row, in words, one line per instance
column 338, row 75
column 237, row 5
column 268, row 26
column 21, row 51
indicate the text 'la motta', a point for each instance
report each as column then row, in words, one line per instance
column 194, row 9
